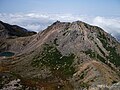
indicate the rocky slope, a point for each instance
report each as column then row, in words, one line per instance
column 9, row 34
column 12, row 31
column 66, row 56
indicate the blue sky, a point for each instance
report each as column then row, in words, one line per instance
column 83, row 7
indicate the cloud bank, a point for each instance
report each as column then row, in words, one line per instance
column 38, row 21
column 111, row 25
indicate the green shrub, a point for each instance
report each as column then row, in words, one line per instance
column 90, row 52
column 113, row 57
column 52, row 58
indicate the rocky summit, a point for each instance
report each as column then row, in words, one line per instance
column 64, row 56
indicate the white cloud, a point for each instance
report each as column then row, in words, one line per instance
column 37, row 21
column 111, row 25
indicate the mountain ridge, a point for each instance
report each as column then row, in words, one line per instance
column 69, row 56
column 13, row 30
column 13, row 38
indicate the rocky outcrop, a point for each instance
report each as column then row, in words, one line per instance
column 115, row 86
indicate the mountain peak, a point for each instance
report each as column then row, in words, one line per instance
column 56, row 22
column 76, row 53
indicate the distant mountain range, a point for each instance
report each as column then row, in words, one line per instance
column 64, row 56
column 118, row 37
column 9, row 31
